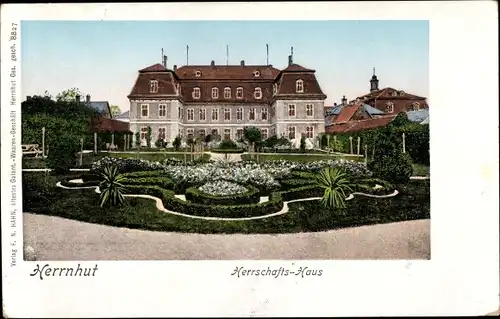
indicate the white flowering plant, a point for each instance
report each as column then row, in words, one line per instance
column 222, row 188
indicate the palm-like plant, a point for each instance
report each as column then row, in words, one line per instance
column 336, row 184
column 111, row 187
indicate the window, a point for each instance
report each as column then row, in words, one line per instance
column 179, row 132
column 227, row 114
column 273, row 131
column 309, row 132
column 153, row 86
column 144, row 132
column 257, row 94
column 144, row 110
column 190, row 114
column 180, row 114
column 189, row 133
column 196, row 93
column 239, row 114
column 416, row 106
column 251, row 114
column 215, row 93
column 162, row 133
column 197, row 73
column 291, row 110
column 299, row 86
column 263, row 114
column 291, row 132
column 227, row 133
column 394, row 93
column 162, row 110
column 227, row 93
column 309, row 110
column 275, row 88
column 203, row 114
column 201, row 132
column 215, row 114
column 401, row 93
column 256, row 73
column 263, row 133
column 239, row 134
column 215, row 132
column 239, row 93
column 390, row 107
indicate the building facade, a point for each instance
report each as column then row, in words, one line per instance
column 197, row 100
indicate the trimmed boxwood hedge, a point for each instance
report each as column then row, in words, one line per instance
column 304, row 175
column 233, row 151
column 163, row 182
column 194, row 195
column 145, row 174
column 287, row 184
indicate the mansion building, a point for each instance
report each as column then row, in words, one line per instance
column 197, row 100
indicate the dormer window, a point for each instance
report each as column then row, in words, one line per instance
column 215, row 93
column 394, row 93
column 389, row 107
column 227, row 93
column 257, row 94
column 299, row 86
column 196, row 93
column 416, row 106
column 256, row 73
column 197, row 73
column 401, row 93
column 275, row 89
column 239, row 93
column 153, row 86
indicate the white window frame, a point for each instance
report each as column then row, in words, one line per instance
column 239, row 93
column 227, row 134
column 204, row 112
column 310, row 131
column 290, row 108
column 294, row 132
column 147, row 111
column 256, row 73
column 153, row 86
column 143, row 132
column 229, row 112
column 189, row 131
column 239, row 114
column 312, row 110
column 180, row 132
column 160, row 109
column 390, row 107
column 202, row 130
column 190, row 111
column 299, row 86
column 196, row 93
column 215, row 111
column 242, row 133
column 266, row 112
column 197, row 73
column 216, row 91
column 275, row 88
column 253, row 111
column 257, row 93
column 266, row 135
column 416, row 106
column 165, row 133
column 227, row 92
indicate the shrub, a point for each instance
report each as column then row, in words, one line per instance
column 177, row 143
column 336, row 187
column 307, row 191
column 395, row 168
column 228, row 144
column 37, row 189
column 62, row 155
column 137, row 140
column 111, row 187
column 160, row 143
column 302, row 144
column 149, row 181
column 250, row 196
column 148, row 137
column 287, row 184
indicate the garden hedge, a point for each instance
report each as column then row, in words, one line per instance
column 288, row 184
column 163, row 182
column 229, row 151
column 252, row 196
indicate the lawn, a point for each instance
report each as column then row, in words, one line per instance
column 421, row 170
column 42, row 197
column 301, row 158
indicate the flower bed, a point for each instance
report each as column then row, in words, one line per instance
column 222, row 188
column 250, row 195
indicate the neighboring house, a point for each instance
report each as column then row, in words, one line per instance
column 102, row 107
column 124, row 117
column 104, row 122
column 197, row 100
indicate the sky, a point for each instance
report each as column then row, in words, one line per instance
column 102, row 58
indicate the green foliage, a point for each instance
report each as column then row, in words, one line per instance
column 115, row 110
column 148, row 137
column 287, row 184
column 336, row 187
column 161, row 181
column 337, row 146
column 227, row 144
column 395, row 168
column 208, row 138
column 62, row 155
column 302, row 144
column 252, row 196
column 160, row 143
column 137, row 140
column 69, row 95
column 111, row 187
column 252, row 134
column 177, row 143
column 400, row 120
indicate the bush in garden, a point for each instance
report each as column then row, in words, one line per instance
column 177, row 143
column 302, row 144
column 62, row 155
column 137, row 141
column 160, row 143
column 148, row 137
column 227, row 144
column 336, row 187
column 111, row 187
column 395, row 168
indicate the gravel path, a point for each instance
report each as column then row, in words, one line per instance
column 53, row 238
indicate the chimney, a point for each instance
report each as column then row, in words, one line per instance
column 175, row 67
column 77, row 98
column 334, row 104
column 212, row 63
column 344, row 100
column 289, row 60
column 165, row 61
column 242, row 62
column 88, row 98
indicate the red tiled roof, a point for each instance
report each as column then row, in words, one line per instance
column 347, row 112
column 386, row 92
column 166, row 84
column 356, row 126
column 154, row 68
column 287, row 84
column 227, row 72
column 297, row 68
column 102, row 124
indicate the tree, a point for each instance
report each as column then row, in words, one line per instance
column 148, row 137
column 115, row 110
column 62, row 155
column 302, row 144
column 177, row 142
column 252, row 134
column 69, row 95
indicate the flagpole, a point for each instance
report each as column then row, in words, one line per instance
column 162, row 57
column 227, row 54
column 267, row 54
column 187, row 54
